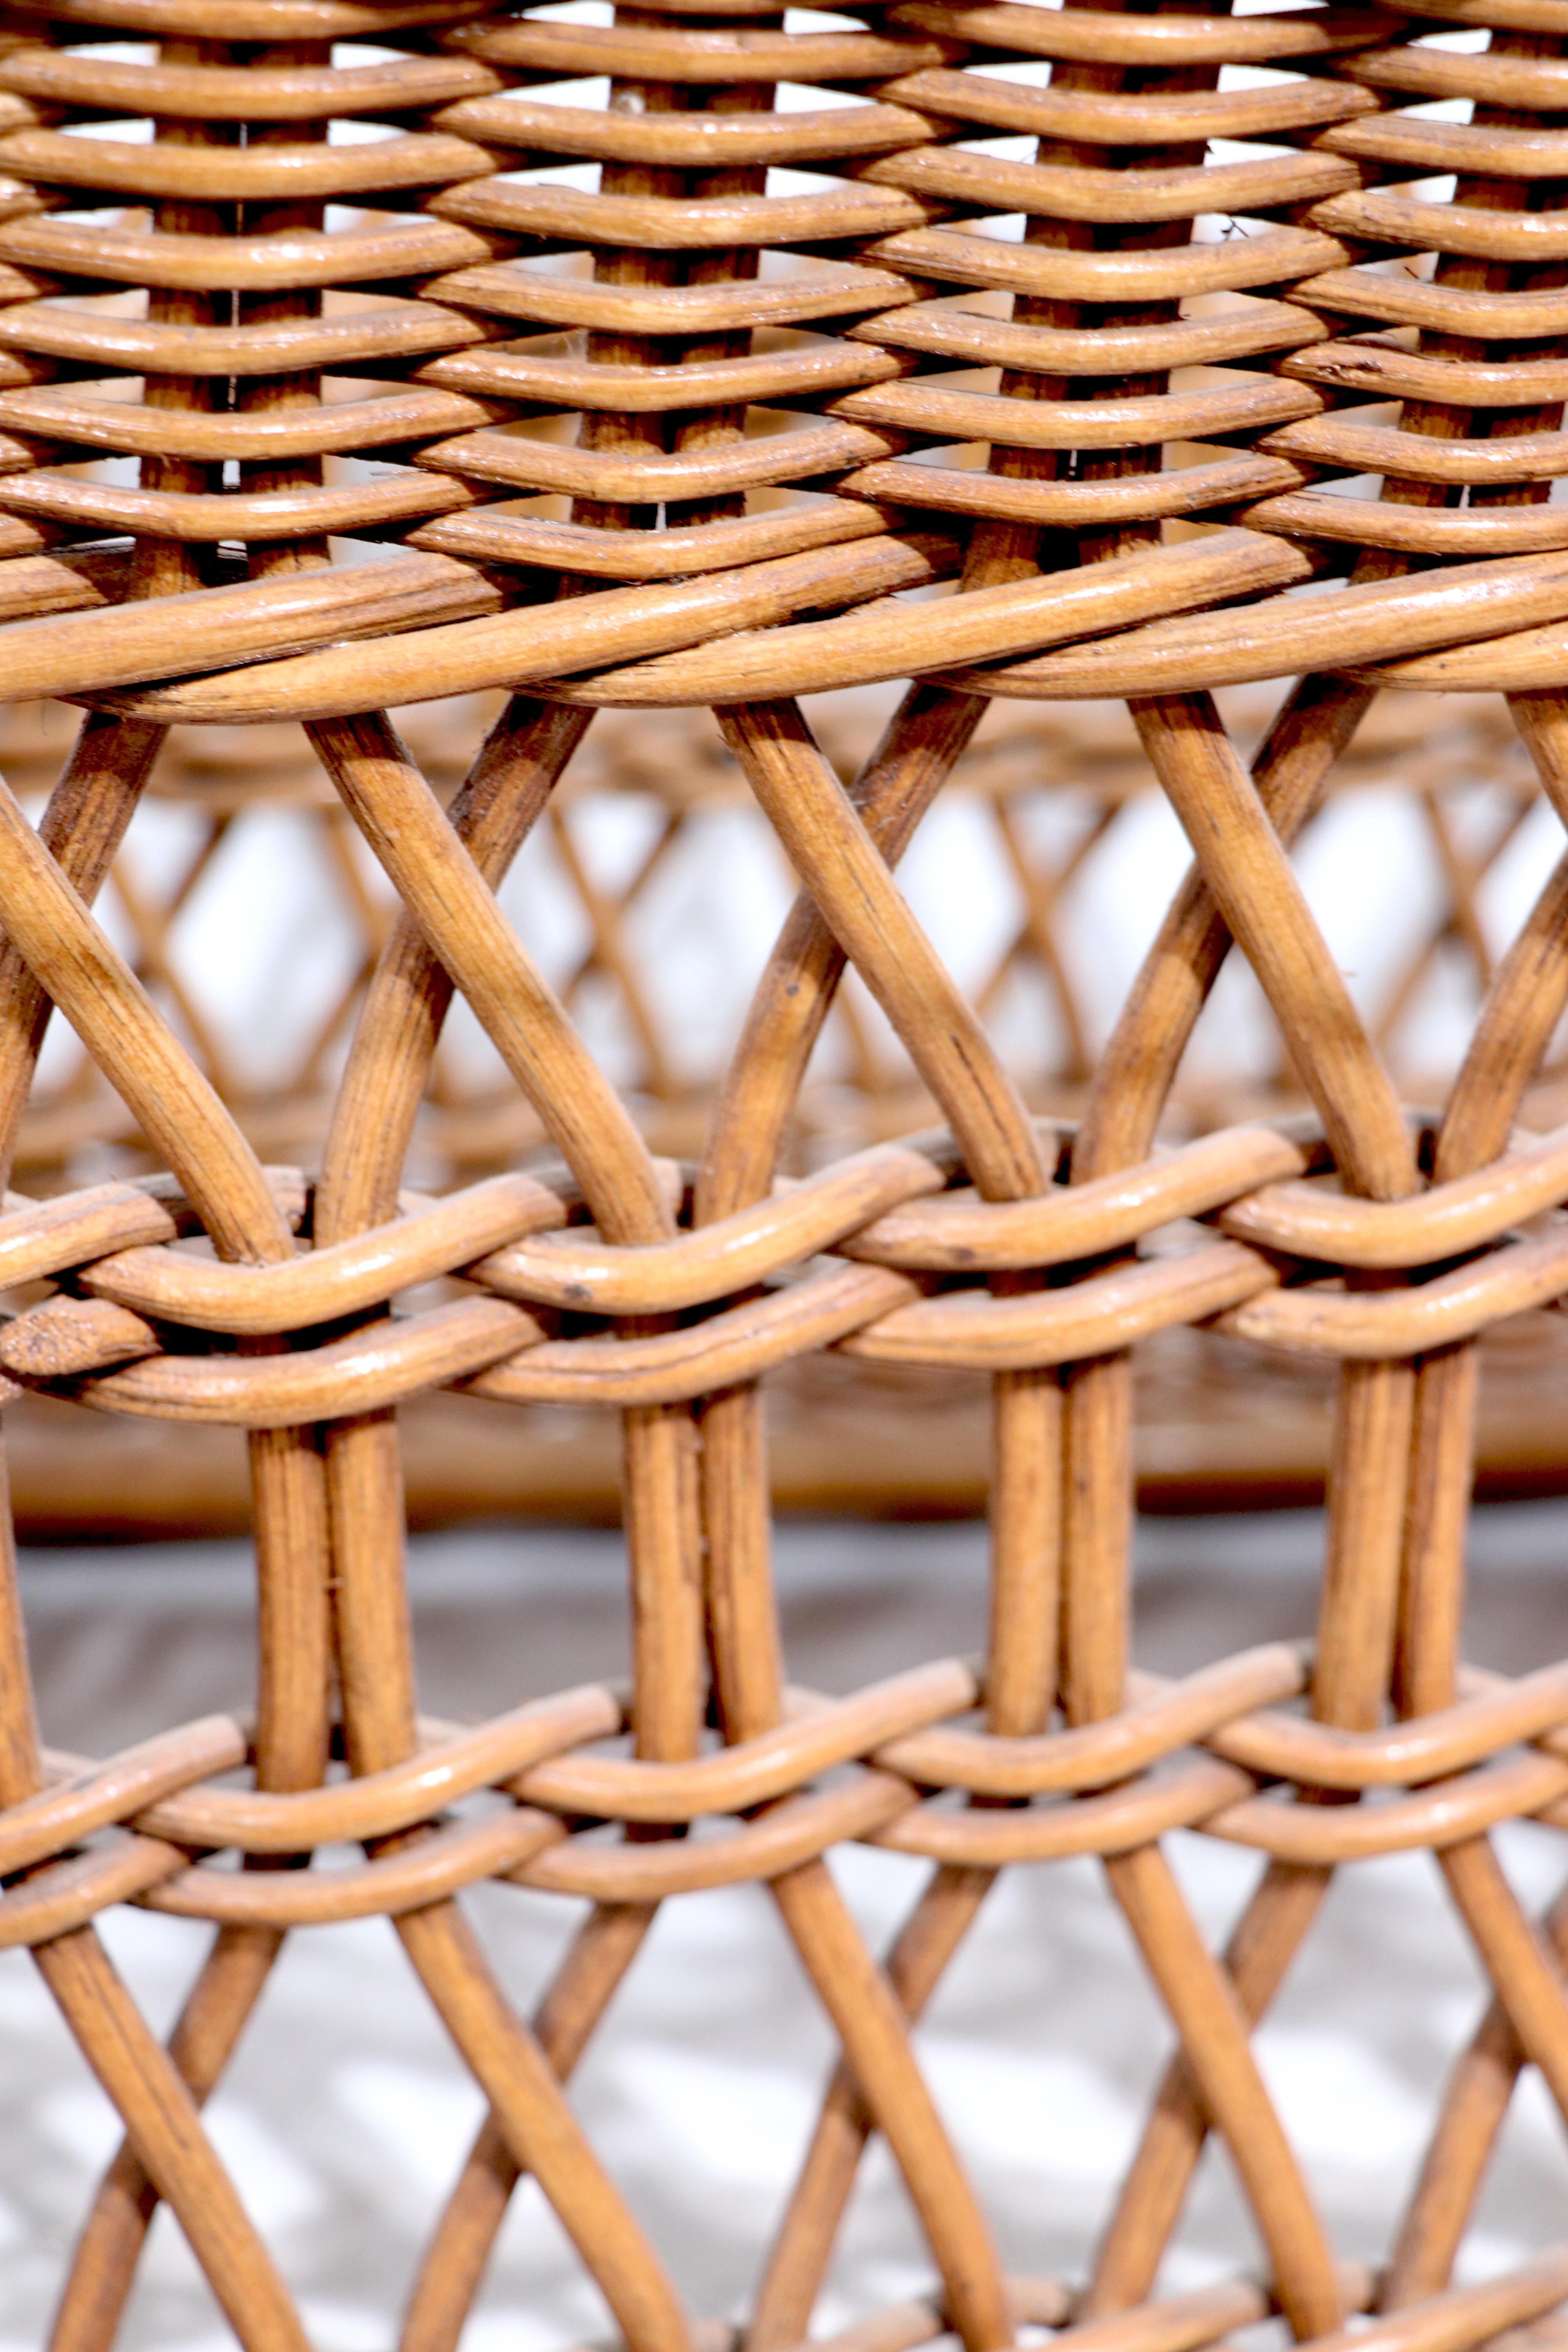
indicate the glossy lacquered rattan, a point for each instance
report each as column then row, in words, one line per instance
column 768, row 498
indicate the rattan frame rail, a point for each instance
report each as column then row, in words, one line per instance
column 774, row 490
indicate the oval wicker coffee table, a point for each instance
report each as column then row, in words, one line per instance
column 835, row 425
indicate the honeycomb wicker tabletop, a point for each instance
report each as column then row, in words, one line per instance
column 698, row 357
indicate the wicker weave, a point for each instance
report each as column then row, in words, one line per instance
column 997, row 1245
column 648, row 875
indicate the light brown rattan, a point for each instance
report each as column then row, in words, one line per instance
column 789, row 560
column 1055, row 799
column 1051, row 799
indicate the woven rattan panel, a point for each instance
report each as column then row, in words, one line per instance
column 652, row 886
column 250, row 908
column 836, row 426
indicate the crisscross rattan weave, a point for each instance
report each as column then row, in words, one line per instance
column 835, row 424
